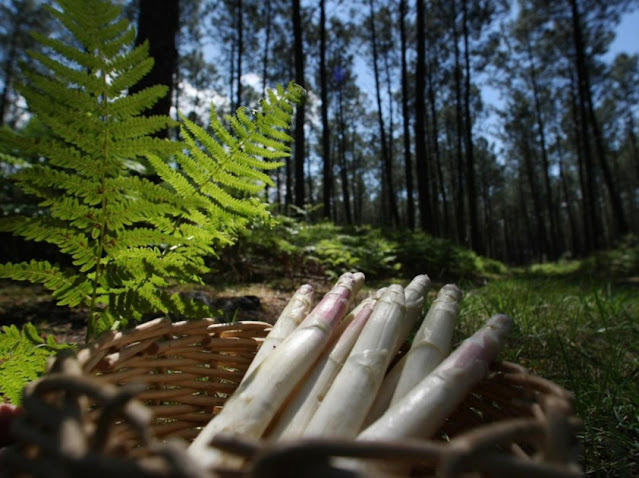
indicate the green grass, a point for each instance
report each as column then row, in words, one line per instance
column 585, row 337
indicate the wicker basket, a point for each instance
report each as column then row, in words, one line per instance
column 116, row 408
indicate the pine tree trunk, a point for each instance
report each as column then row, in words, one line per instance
column 158, row 22
column 343, row 166
column 444, row 227
column 473, row 202
column 265, row 58
column 300, row 111
column 583, row 76
column 550, row 204
column 240, row 52
column 423, row 192
column 327, row 177
column 388, row 201
column 589, row 207
column 569, row 201
column 9, row 68
column 408, row 166
column 459, row 198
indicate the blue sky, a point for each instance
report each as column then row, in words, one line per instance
column 627, row 39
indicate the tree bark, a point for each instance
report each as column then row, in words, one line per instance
column 550, row 204
column 473, row 212
column 343, row 166
column 300, row 111
column 158, row 22
column 326, row 133
column 591, row 217
column 444, row 227
column 460, row 215
column 388, row 201
column 9, row 67
column 621, row 225
column 423, row 192
column 240, row 52
column 408, row 166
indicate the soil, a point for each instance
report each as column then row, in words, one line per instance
column 21, row 303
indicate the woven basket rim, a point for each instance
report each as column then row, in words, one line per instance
column 541, row 408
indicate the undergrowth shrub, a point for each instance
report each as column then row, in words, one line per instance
column 299, row 249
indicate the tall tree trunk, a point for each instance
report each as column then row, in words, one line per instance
column 473, row 203
column 621, row 225
column 158, row 22
column 326, row 132
column 523, row 249
column 9, row 66
column 389, row 203
column 240, row 52
column 444, row 227
column 391, row 148
column 550, row 204
column 592, row 225
column 267, row 44
column 541, row 241
column 343, row 166
column 632, row 138
column 423, row 192
column 459, row 184
column 569, row 201
column 408, row 166
column 300, row 111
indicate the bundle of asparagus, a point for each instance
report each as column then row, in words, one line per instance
column 325, row 373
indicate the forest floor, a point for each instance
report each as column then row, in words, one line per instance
column 22, row 302
column 579, row 332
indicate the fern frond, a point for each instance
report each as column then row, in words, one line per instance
column 130, row 240
column 23, row 358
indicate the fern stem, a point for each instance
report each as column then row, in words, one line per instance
column 94, row 315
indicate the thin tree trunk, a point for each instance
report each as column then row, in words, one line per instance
column 473, row 213
column 569, row 200
column 542, row 241
column 459, row 189
column 9, row 68
column 267, row 44
column 423, row 192
column 300, row 111
column 326, row 133
column 240, row 51
column 550, row 204
column 388, row 201
column 445, row 224
column 591, row 218
column 346, row 198
column 408, row 166
column 158, row 23
column 583, row 75
column 528, row 249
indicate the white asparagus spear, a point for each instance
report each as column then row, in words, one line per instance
column 415, row 293
column 432, row 342
column 298, row 413
column 425, row 408
column 250, row 409
column 292, row 315
column 353, row 390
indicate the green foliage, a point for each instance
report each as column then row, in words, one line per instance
column 130, row 240
column 302, row 248
column 23, row 357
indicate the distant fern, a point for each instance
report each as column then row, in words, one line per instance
column 23, row 357
column 131, row 240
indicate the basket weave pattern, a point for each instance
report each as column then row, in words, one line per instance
column 116, row 407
